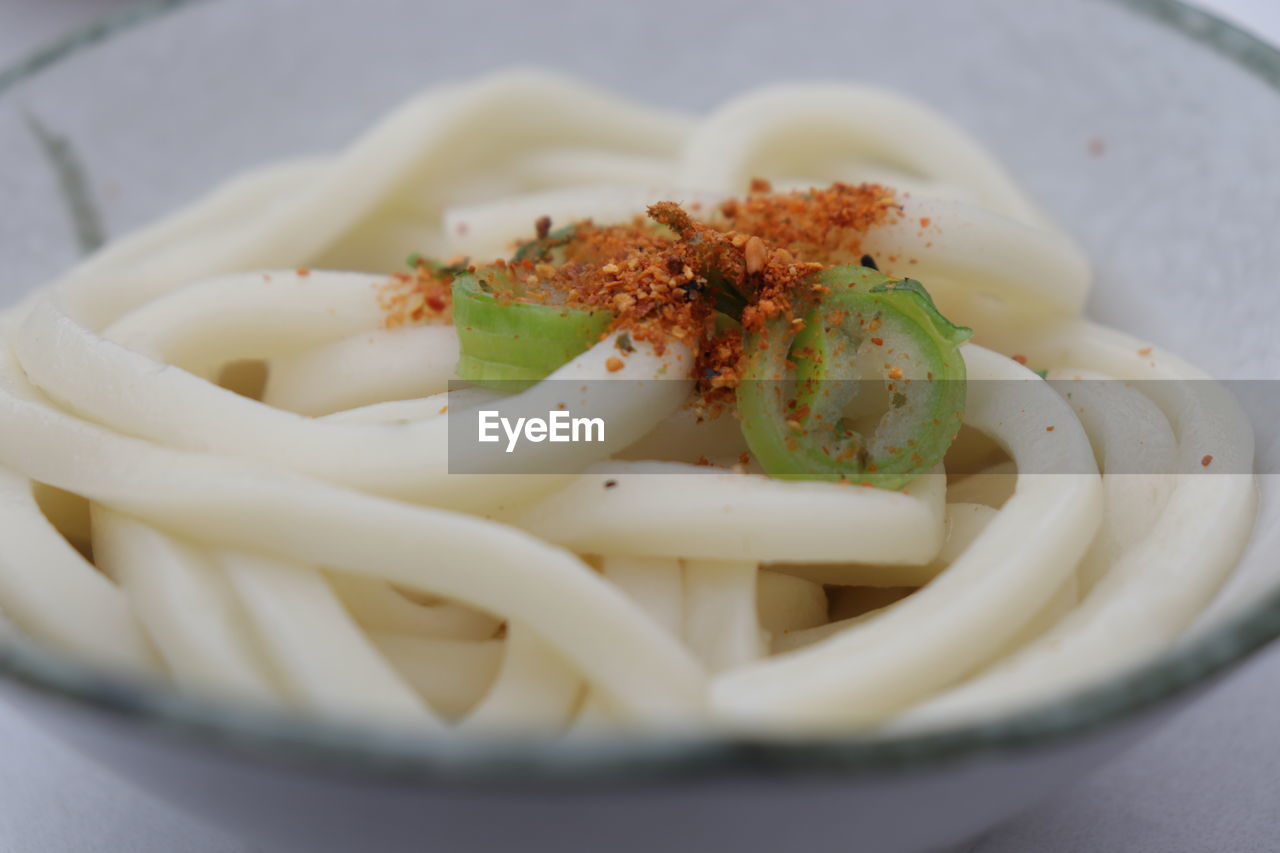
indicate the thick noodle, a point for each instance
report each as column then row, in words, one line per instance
column 296, row 539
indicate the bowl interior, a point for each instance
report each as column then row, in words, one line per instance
column 1157, row 150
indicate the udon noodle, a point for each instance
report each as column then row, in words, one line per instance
column 221, row 469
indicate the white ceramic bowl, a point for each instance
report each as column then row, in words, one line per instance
column 1143, row 126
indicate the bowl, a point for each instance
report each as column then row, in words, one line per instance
column 1141, row 125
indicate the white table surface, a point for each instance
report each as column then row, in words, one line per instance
column 1208, row 783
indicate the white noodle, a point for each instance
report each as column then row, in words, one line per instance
column 317, row 551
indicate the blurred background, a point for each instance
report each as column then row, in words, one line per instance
column 24, row 24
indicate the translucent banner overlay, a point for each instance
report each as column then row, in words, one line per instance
column 1057, row 426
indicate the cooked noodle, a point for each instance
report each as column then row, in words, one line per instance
column 310, row 550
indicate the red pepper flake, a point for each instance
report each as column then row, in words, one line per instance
column 753, row 254
column 765, row 244
column 1048, row 429
column 304, row 272
column 878, row 341
column 924, row 221
column 1021, row 359
column 609, row 484
column 1145, row 351
column 1206, row 461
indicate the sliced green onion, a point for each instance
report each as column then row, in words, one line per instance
column 417, row 259
column 542, row 248
column 507, row 343
column 726, row 323
column 810, row 404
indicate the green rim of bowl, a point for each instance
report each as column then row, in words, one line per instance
column 514, row 763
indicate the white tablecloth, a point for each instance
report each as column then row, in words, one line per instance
column 1209, row 783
